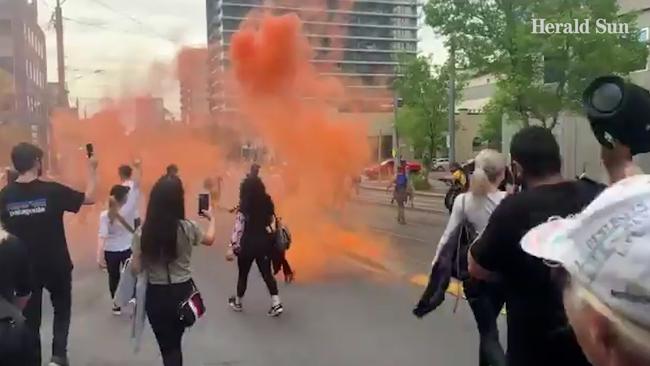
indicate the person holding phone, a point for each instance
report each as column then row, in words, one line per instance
column 164, row 249
column 115, row 236
column 32, row 210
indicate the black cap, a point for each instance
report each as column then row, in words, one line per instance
column 619, row 110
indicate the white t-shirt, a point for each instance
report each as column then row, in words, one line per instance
column 132, row 212
column 116, row 237
column 478, row 210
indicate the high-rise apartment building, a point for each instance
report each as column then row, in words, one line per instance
column 23, row 63
column 192, row 71
column 357, row 40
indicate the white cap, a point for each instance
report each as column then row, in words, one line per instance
column 605, row 248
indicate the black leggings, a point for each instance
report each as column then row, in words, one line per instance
column 264, row 265
column 114, row 263
column 162, row 310
column 486, row 300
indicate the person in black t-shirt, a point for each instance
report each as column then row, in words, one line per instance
column 17, row 341
column 32, row 210
column 538, row 330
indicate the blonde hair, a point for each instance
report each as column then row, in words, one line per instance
column 489, row 166
column 631, row 338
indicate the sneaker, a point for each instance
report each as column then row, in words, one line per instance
column 58, row 361
column 276, row 310
column 236, row 306
column 117, row 311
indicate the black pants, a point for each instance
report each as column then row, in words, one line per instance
column 114, row 263
column 162, row 310
column 263, row 264
column 59, row 285
column 486, row 300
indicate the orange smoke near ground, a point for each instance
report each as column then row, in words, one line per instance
column 293, row 110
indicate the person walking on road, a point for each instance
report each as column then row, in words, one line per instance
column 132, row 180
column 538, row 331
column 116, row 236
column 17, row 340
column 401, row 191
column 164, row 249
column 475, row 207
column 32, row 210
column 253, row 242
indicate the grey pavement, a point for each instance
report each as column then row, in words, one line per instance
column 350, row 316
column 430, row 202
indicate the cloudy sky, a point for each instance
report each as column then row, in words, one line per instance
column 111, row 45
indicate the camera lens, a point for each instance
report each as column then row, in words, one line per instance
column 607, row 97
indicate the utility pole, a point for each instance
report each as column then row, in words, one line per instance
column 60, row 57
column 396, row 158
column 451, row 135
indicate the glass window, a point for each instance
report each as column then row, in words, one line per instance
column 5, row 26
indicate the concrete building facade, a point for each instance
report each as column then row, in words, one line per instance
column 192, row 71
column 356, row 40
column 23, row 59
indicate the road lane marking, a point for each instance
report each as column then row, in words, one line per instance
column 455, row 287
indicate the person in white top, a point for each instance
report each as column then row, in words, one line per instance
column 131, row 179
column 116, row 229
column 476, row 207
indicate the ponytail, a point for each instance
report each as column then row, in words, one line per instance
column 480, row 183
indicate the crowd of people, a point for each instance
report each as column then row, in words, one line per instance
column 568, row 258
column 154, row 253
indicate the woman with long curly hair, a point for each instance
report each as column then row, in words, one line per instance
column 257, row 213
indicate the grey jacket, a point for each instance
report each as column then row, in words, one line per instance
column 129, row 285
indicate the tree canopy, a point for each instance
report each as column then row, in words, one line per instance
column 539, row 75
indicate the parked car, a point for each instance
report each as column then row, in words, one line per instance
column 440, row 164
column 387, row 169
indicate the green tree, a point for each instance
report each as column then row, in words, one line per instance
column 424, row 92
column 539, row 75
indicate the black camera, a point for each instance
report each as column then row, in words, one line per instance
column 619, row 110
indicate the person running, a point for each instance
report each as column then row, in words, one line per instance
column 538, row 331
column 116, row 236
column 164, row 249
column 400, row 193
column 485, row 299
column 16, row 339
column 132, row 181
column 32, row 210
column 255, row 243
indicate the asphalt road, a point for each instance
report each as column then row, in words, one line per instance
column 356, row 313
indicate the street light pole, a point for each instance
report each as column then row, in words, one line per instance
column 63, row 94
column 396, row 157
column 452, row 102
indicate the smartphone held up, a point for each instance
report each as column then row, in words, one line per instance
column 204, row 204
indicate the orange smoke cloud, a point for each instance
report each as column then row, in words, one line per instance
column 294, row 111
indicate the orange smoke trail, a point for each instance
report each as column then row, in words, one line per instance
column 294, row 111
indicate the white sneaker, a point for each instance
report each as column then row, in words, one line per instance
column 276, row 310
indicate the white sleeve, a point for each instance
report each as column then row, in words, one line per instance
column 131, row 204
column 456, row 217
column 103, row 225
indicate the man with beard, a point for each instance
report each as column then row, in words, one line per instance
column 32, row 210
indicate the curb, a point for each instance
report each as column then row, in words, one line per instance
column 417, row 193
column 408, row 208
